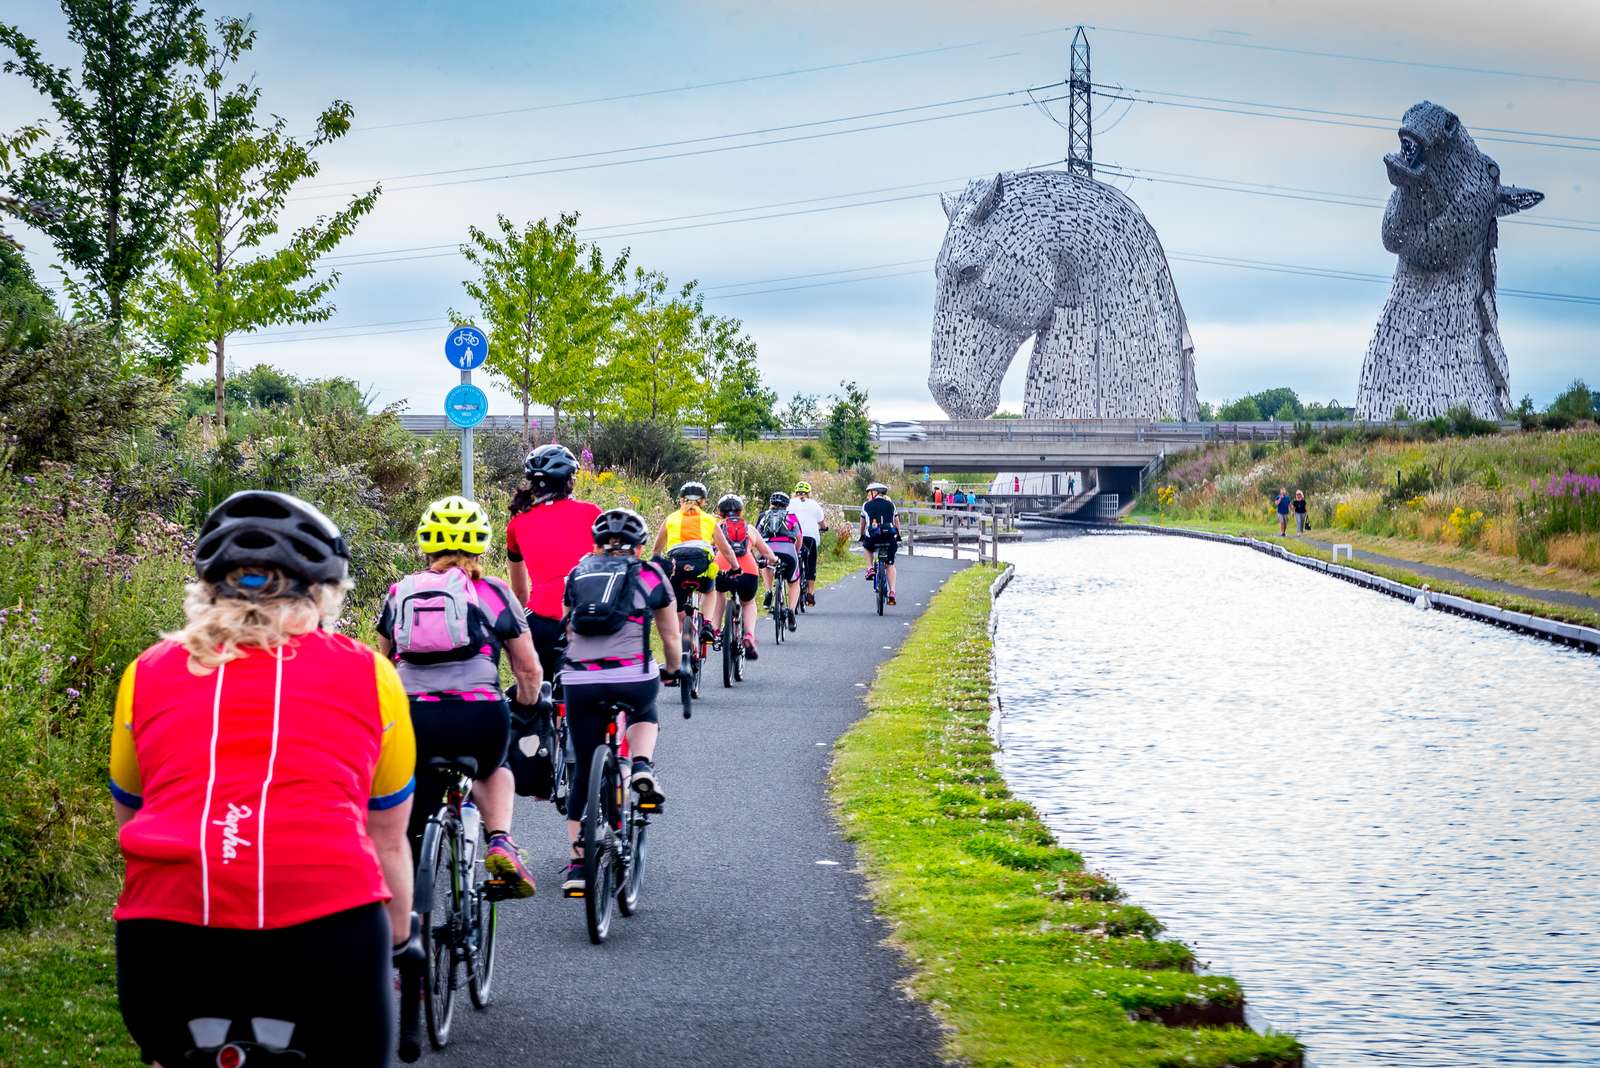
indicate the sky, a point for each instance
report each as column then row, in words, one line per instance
column 822, row 241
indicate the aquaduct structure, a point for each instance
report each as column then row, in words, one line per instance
column 1074, row 264
column 1437, row 344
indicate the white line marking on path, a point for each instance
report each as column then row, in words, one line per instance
column 828, row 863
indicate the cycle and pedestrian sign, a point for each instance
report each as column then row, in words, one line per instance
column 466, row 347
column 466, row 405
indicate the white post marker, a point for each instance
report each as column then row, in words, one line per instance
column 1349, row 553
column 466, row 347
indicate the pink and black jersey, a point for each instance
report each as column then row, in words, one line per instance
column 619, row 657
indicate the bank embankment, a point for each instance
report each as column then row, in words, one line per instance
column 1027, row 956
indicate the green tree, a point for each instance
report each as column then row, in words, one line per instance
column 744, row 405
column 126, row 139
column 1208, row 412
column 210, row 286
column 1275, row 400
column 1243, row 410
column 550, row 304
column 715, row 340
column 801, row 412
column 848, row 430
column 1572, row 404
column 662, row 372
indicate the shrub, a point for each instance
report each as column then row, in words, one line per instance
column 648, row 450
column 754, row 475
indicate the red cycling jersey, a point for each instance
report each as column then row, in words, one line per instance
column 252, row 782
column 549, row 539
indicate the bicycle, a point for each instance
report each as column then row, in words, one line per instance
column 614, row 829
column 457, row 903
column 732, row 641
column 880, row 574
column 780, row 604
column 694, row 645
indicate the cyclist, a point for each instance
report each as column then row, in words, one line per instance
column 691, row 542
column 445, row 627
column 261, row 773
column 612, row 596
column 813, row 524
column 738, row 576
column 782, row 533
column 547, row 535
column 879, row 526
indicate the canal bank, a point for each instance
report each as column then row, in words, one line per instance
column 1026, row 954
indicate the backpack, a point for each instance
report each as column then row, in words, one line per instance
column 437, row 617
column 774, row 523
column 741, row 542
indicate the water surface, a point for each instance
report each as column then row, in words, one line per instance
column 1380, row 820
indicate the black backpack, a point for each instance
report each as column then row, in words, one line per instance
column 774, row 523
column 600, row 593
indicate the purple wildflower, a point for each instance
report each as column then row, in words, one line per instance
column 73, row 694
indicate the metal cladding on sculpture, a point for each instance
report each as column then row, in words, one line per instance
column 1437, row 344
column 1075, row 265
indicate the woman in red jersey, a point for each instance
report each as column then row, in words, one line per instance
column 548, row 534
column 261, row 772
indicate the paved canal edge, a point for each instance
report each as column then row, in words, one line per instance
column 1553, row 630
column 1026, row 955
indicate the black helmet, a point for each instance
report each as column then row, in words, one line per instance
column 730, row 504
column 550, row 468
column 620, row 525
column 259, row 528
column 779, row 500
column 693, row 491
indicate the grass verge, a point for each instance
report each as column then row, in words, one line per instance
column 58, row 988
column 1549, row 609
column 1027, row 956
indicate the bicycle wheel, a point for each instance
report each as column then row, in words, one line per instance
column 880, row 583
column 633, row 882
column 780, row 600
column 600, row 844
column 730, row 640
column 484, row 916
column 440, row 924
column 738, row 652
column 565, row 772
column 697, row 660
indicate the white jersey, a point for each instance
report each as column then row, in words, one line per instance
column 809, row 514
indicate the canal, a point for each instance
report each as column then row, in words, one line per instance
column 1381, row 820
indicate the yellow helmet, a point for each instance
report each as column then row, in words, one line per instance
column 454, row 524
column 802, row 487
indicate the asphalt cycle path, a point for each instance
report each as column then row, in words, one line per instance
column 755, row 942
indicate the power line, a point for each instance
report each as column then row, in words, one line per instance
column 692, row 140
column 1359, row 115
column 641, row 94
column 1352, row 56
column 1327, row 121
column 693, row 152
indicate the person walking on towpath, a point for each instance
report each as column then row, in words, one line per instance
column 1282, row 504
column 261, row 772
column 1299, row 506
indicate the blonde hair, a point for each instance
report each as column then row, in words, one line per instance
column 221, row 619
column 471, row 563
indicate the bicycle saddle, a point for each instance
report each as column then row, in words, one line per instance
column 456, row 765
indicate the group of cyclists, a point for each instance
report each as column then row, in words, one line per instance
column 263, row 767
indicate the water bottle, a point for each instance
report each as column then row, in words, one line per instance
column 471, row 826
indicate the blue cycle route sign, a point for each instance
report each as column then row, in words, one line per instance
column 466, row 347
column 466, row 405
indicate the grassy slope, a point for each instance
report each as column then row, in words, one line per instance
column 1026, row 955
column 1404, row 550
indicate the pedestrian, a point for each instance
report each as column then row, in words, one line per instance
column 938, row 497
column 1301, row 522
column 1016, row 484
column 1282, row 504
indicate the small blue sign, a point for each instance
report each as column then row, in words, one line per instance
column 466, row 347
column 466, row 405
column 924, row 470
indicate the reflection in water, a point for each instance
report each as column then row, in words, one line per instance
column 1380, row 820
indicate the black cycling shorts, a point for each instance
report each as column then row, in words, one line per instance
column 745, row 585
column 788, row 561
column 892, row 541
column 330, row 977
column 451, row 727
column 686, row 570
column 586, row 725
column 808, row 558
column 549, row 641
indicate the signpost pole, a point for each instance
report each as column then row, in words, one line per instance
column 466, row 449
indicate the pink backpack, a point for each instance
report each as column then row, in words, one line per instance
column 437, row 617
